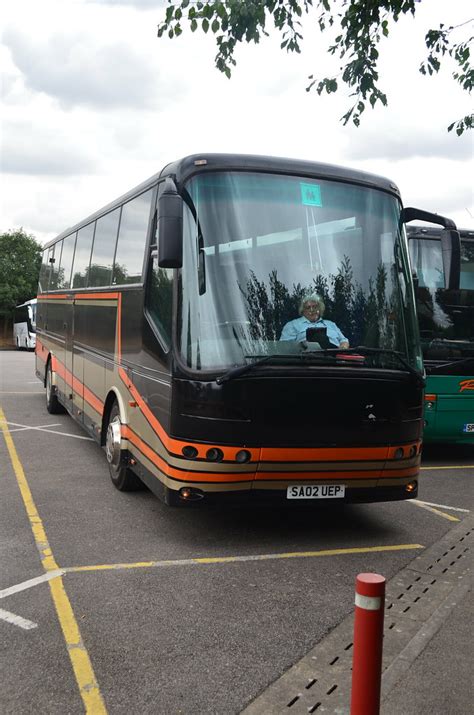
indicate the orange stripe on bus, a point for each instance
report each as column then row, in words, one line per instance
column 183, row 475
column 77, row 385
column 96, row 296
column 324, row 454
column 175, row 446
column 56, row 296
column 144, row 408
column 93, row 401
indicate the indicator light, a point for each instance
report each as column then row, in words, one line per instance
column 190, row 494
column 410, row 487
column 243, row 456
column 398, row 453
column 214, row 454
column 189, row 452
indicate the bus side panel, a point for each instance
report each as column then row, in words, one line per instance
column 57, row 335
column 450, row 417
column 147, row 365
column 95, row 318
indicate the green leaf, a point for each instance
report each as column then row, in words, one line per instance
column 362, row 26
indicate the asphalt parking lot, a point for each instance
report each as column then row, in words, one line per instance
column 116, row 603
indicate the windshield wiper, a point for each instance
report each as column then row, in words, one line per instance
column 452, row 363
column 241, row 369
column 362, row 349
column 307, row 356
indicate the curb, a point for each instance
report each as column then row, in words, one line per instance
column 418, row 601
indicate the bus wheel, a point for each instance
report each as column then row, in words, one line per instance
column 53, row 405
column 122, row 477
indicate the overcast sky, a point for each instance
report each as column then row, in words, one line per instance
column 93, row 103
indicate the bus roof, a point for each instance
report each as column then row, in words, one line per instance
column 182, row 169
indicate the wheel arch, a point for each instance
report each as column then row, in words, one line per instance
column 112, row 396
column 49, row 361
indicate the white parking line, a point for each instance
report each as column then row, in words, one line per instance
column 443, row 506
column 24, row 585
column 17, row 620
column 23, row 428
column 422, row 505
column 20, row 392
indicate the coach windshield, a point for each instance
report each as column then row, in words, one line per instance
column 256, row 244
column 446, row 317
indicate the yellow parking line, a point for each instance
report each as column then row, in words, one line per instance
column 80, row 660
column 234, row 559
column 422, row 505
column 454, row 466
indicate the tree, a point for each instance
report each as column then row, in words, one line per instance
column 20, row 261
column 362, row 24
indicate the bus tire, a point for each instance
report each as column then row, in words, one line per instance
column 122, row 477
column 53, row 405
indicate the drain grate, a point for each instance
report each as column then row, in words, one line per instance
column 321, row 681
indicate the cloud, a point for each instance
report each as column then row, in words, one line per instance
column 137, row 4
column 42, row 150
column 95, row 104
column 391, row 142
column 79, row 69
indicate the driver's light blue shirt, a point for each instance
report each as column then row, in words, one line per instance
column 296, row 330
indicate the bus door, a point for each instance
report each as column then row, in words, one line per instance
column 77, row 361
column 68, row 328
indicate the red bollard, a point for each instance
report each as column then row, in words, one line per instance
column 368, row 642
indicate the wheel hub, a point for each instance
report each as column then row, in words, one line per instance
column 48, row 385
column 113, row 441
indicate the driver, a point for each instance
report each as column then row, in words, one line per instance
column 311, row 311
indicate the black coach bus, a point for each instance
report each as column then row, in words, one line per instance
column 446, row 321
column 242, row 326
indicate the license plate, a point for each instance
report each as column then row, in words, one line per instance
column 469, row 427
column 319, row 491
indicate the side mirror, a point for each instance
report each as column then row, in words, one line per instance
column 411, row 214
column 450, row 243
column 170, row 227
column 451, row 251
